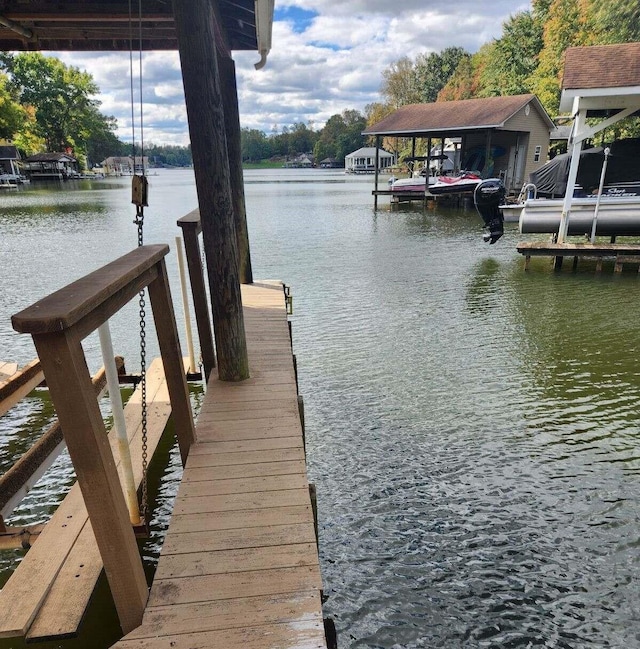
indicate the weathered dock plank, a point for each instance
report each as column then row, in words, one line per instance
column 49, row 590
column 239, row 565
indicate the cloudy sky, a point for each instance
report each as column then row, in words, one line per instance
column 327, row 56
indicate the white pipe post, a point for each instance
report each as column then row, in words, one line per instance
column 185, row 306
column 578, row 137
column 595, row 212
column 113, row 385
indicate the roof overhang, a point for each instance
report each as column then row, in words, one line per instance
column 108, row 25
column 599, row 99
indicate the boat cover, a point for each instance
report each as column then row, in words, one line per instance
column 623, row 166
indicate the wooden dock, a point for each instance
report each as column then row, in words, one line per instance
column 621, row 253
column 239, row 566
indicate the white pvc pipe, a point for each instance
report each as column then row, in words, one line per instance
column 595, row 212
column 185, row 305
column 113, row 385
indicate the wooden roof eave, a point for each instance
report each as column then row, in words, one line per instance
column 434, row 133
column 92, row 25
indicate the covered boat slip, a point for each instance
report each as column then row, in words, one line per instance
column 505, row 137
column 600, row 82
column 239, row 565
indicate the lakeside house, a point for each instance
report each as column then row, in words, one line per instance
column 302, row 161
column 125, row 165
column 363, row 160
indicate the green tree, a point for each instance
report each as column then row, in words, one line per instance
column 341, row 135
column 61, row 96
column 432, row 71
column 399, row 84
column 254, row 145
column 513, row 58
column 616, row 21
column 13, row 116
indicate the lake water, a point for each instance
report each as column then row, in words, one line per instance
column 472, row 429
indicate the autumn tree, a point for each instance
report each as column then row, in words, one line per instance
column 513, row 58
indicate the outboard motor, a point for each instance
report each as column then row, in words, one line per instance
column 487, row 195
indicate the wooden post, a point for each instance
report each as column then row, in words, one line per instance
column 169, row 343
column 196, row 23
column 377, row 173
column 190, row 225
column 487, row 154
column 227, row 70
column 74, row 397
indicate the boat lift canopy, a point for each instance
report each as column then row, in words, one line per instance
column 599, row 81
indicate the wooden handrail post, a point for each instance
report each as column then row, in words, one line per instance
column 160, row 296
column 191, row 228
column 58, row 324
column 74, row 398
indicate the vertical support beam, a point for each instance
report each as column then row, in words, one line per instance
column 169, row 343
column 227, row 70
column 74, row 397
column 190, row 230
column 578, row 127
column 376, row 172
column 196, row 23
column 487, row 154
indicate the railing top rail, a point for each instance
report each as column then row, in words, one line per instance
column 105, row 290
column 191, row 220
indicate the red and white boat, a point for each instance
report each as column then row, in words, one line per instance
column 465, row 183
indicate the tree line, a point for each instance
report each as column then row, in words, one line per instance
column 48, row 106
column 526, row 58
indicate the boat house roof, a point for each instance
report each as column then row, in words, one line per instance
column 369, row 152
column 603, row 77
column 50, row 157
column 9, row 152
column 444, row 118
column 75, row 25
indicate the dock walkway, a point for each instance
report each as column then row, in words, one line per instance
column 239, row 566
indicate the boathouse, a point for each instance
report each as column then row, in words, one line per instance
column 124, row 165
column 505, row 137
column 600, row 87
column 239, row 565
column 9, row 160
column 51, row 166
column 367, row 159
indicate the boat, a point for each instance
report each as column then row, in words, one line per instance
column 463, row 184
column 415, row 183
column 607, row 191
column 7, row 182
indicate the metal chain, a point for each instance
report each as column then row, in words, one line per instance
column 143, row 372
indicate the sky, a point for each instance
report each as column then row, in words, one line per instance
column 327, row 56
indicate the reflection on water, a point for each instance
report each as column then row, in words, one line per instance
column 472, row 429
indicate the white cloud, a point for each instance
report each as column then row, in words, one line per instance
column 336, row 63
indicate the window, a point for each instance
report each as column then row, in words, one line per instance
column 536, row 155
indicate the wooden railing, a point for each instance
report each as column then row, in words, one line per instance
column 20, row 478
column 58, row 324
column 191, row 228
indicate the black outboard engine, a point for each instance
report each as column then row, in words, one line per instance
column 487, row 196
